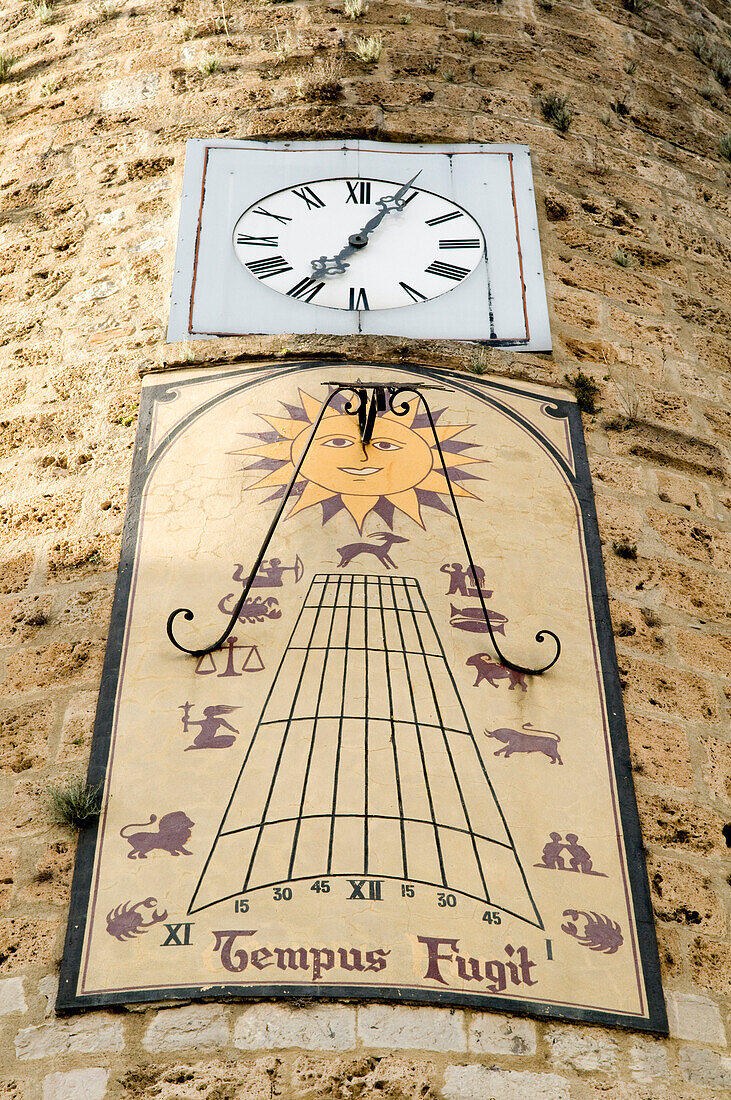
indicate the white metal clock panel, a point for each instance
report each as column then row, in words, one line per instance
column 344, row 237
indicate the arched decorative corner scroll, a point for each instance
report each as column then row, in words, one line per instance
column 367, row 400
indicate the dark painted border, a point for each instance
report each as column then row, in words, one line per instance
column 655, row 1021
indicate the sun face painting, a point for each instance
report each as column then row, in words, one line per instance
column 399, row 469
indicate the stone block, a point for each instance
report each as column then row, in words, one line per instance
column 77, row 1084
column 7, row 878
column 360, row 1076
column 681, row 825
column 256, row 1079
column 710, row 964
column 404, row 1028
column 586, row 1051
column 682, row 894
column 202, row 1027
column 707, row 1068
column 78, row 723
column 12, row 999
column 717, row 770
column 480, row 1083
column 72, row 560
column 79, row 1035
column 705, row 650
column 15, row 572
column 57, row 665
column 490, row 1034
column 668, row 690
column 273, row 1027
column 25, row 943
column 695, row 1018
column 24, row 732
column 660, row 751
column 648, row 1060
column 130, row 92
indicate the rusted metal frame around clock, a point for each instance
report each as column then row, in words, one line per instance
column 369, row 398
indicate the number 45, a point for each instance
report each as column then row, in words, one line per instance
column 321, row 885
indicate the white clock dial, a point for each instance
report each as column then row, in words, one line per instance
column 358, row 244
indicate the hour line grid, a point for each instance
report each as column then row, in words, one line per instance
column 363, row 761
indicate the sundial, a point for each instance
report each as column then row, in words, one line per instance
column 361, row 732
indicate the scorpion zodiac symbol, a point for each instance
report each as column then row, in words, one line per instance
column 125, row 921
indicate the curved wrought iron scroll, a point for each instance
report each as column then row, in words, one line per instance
column 368, row 400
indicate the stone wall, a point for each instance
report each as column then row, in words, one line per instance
column 635, row 216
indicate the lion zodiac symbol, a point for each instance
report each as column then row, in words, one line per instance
column 126, row 921
column 171, row 835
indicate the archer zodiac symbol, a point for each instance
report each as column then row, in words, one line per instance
column 599, row 934
column 382, row 551
column 270, row 574
column 211, row 722
column 462, row 580
column 126, row 921
column 579, row 859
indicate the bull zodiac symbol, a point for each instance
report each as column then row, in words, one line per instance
column 125, row 921
column 600, row 933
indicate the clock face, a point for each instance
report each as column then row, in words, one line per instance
column 358, row 244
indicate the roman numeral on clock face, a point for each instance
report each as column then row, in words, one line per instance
column 268, row 214
column 445, row 218
column 447, row 271
column 358, row 192
column 361, row 302
column 264, row 269
column 308, row 196
column 470, row 242
column 415, row 295
column 306, row 288
column 264, row 242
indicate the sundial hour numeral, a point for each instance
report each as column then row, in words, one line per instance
column 361, row 302
column 358, row 192
column 308, row 195
column 470, row 242
column 272, row 265
column 447, row 271
column 415, row 295
column 268, row 214
column 306, row 288
column 444, row 218
column 263, row 242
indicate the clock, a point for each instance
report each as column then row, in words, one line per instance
column 358, row 244
column 359, row 237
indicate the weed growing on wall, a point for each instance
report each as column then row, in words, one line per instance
column 368, row 48
column 75, row 804
column 556, row 109
column 585, row 390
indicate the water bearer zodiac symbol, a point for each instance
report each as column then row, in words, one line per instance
column 462, row 582
column 211, row 722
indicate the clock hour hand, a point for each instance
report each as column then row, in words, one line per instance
column 389, row 204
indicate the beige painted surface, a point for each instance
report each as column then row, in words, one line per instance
column 348, row 736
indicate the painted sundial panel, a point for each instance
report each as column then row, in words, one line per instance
column 354, row 795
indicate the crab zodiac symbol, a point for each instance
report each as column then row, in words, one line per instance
column 125, row 921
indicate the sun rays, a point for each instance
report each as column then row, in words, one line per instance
column 399, row 470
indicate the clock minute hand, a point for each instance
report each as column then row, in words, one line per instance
column 389, row 204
